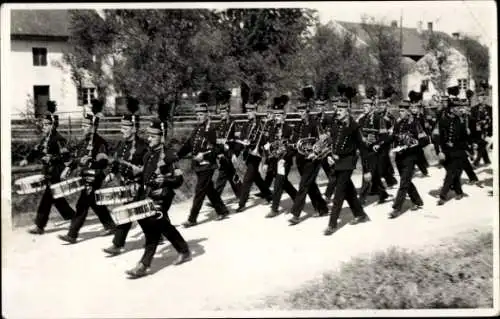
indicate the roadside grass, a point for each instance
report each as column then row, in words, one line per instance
column 458, row 274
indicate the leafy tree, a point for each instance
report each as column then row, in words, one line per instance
column 437, row 64
column 478, row 58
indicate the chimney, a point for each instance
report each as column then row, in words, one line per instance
column 429, row 26
column 456, row 35
column 419, row 26
column 394, row 24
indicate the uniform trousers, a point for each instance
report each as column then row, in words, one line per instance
column 281, row 183
column 153, row 229
column 205, row 187
column 482, row 152
column 252, row 175
column 345, row 190
column 422, row 162
column 308, row 170
column 469, row 170
column 43, row 212
column 386, row 168
column 454, row 167
column 375, row 184
column 331, row 178
column 227, row 172
column 405, row 164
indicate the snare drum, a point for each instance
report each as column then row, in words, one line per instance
column 67, row 187
column 30, row 184
column 135, row 211
column 116, row 195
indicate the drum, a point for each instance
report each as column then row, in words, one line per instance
column 135, row 211
column 116, row 195
column 30, row 184
column 67, row 187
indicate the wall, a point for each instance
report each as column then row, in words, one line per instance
column 458, row 70
column 24, row 75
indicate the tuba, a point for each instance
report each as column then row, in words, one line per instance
column 305, row 145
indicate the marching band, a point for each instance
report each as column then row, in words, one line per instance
column 147, row 174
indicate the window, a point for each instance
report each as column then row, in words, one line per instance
column 40, row 56
column 85, row 95
column 463, row 84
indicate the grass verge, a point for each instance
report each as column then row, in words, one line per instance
column 457, row 275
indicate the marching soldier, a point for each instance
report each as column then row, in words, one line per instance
column 251, row 138
column 159, row 180
column 283, row 160
column 308, row 167
column 406, row 139
column 453, row 145
column 227, row 153
column 374, row 130
column 482, row 128
column 53, row 152
column 91, row 157
column 467, row 166
column 422, row 162
column 127, row 166
column 202, row 145
column 327, row 123
column 345, row 140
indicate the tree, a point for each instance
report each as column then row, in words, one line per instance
column 436, row 63
column 384, row 45
column 478, row 58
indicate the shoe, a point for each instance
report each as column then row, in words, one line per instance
column 383, row 198
column 294, row 220
column 67, row 238
column 460, row 196
column 261, row 195
column 183, row 258
column 360, row 219
column 240, row 209
column 329, row 230
column 36, row 230
column 441, row 202
column 416, row 206
column 113, row 250
column 320, row 214
column 221, row 216
column 107, row 232
column 189, row 223
column 478, row 184
column 395, row 213
column 269, row 200
column 209, row 204
column 272, row 214
column 139, row 271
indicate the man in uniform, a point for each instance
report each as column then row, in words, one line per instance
column 374, row 130
column 422, row 162
column 308, row 167
column 159, row 180
column 464, row 115
column 202, row 145
column 345, row 140
column 52, row 151
column 251, row 144
column 127, row 165
column 406, row 139
column 227, row 153
column 453, row 146
column 283, row 162
column 91, row 156
column 481, row 121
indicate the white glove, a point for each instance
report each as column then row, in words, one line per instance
column 198, row 157
column 23, row 163
column 65, row 173
column 441, row 156
column 367, row 177
column 226, row 147
column 109, row 178
column 220, row 141
column 267, row 146
column 331, row 161
column 234, row 159
column 376, row 148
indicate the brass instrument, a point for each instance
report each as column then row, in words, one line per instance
column 160, row 163
column 305, row 145
column 204, row 145
column 228, row 132
column 322, row 147
column 278, row 148
column 255, row 150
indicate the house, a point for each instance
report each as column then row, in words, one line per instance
column 415, row 60
column 37, row 69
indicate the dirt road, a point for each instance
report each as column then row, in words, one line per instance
column 236, row 261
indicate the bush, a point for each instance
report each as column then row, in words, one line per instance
column 459, row 276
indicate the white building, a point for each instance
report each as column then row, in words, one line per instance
column 37, row 71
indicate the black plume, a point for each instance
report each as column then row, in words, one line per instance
column 96, row 106
column 204, row 97
column 371, row 92
column 132, row 105
column 223, row 96
column 308, row 93
column 51, row 106
column 454, row 90
column 388, row 92
column 350, row 92
column 341, row 89
column 284, row 99
column 469, row 94
column 163, row 110
column 413, row 96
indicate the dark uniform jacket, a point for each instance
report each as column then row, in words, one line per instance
column 202, row 139
column 304, row 130
column 406, row 130
column 123, row 153
column 155, row 167
column 481, row 121
column 52, row 151
column 251, row 130
column 375, row 131
column 286, row 133
column 98, row 154
column 222, row 132
column 346, row 140
column 453, row 140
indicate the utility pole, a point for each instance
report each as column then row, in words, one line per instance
column 401, row 48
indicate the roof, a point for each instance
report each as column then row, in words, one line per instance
column 413, row 43
column 40, row 23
